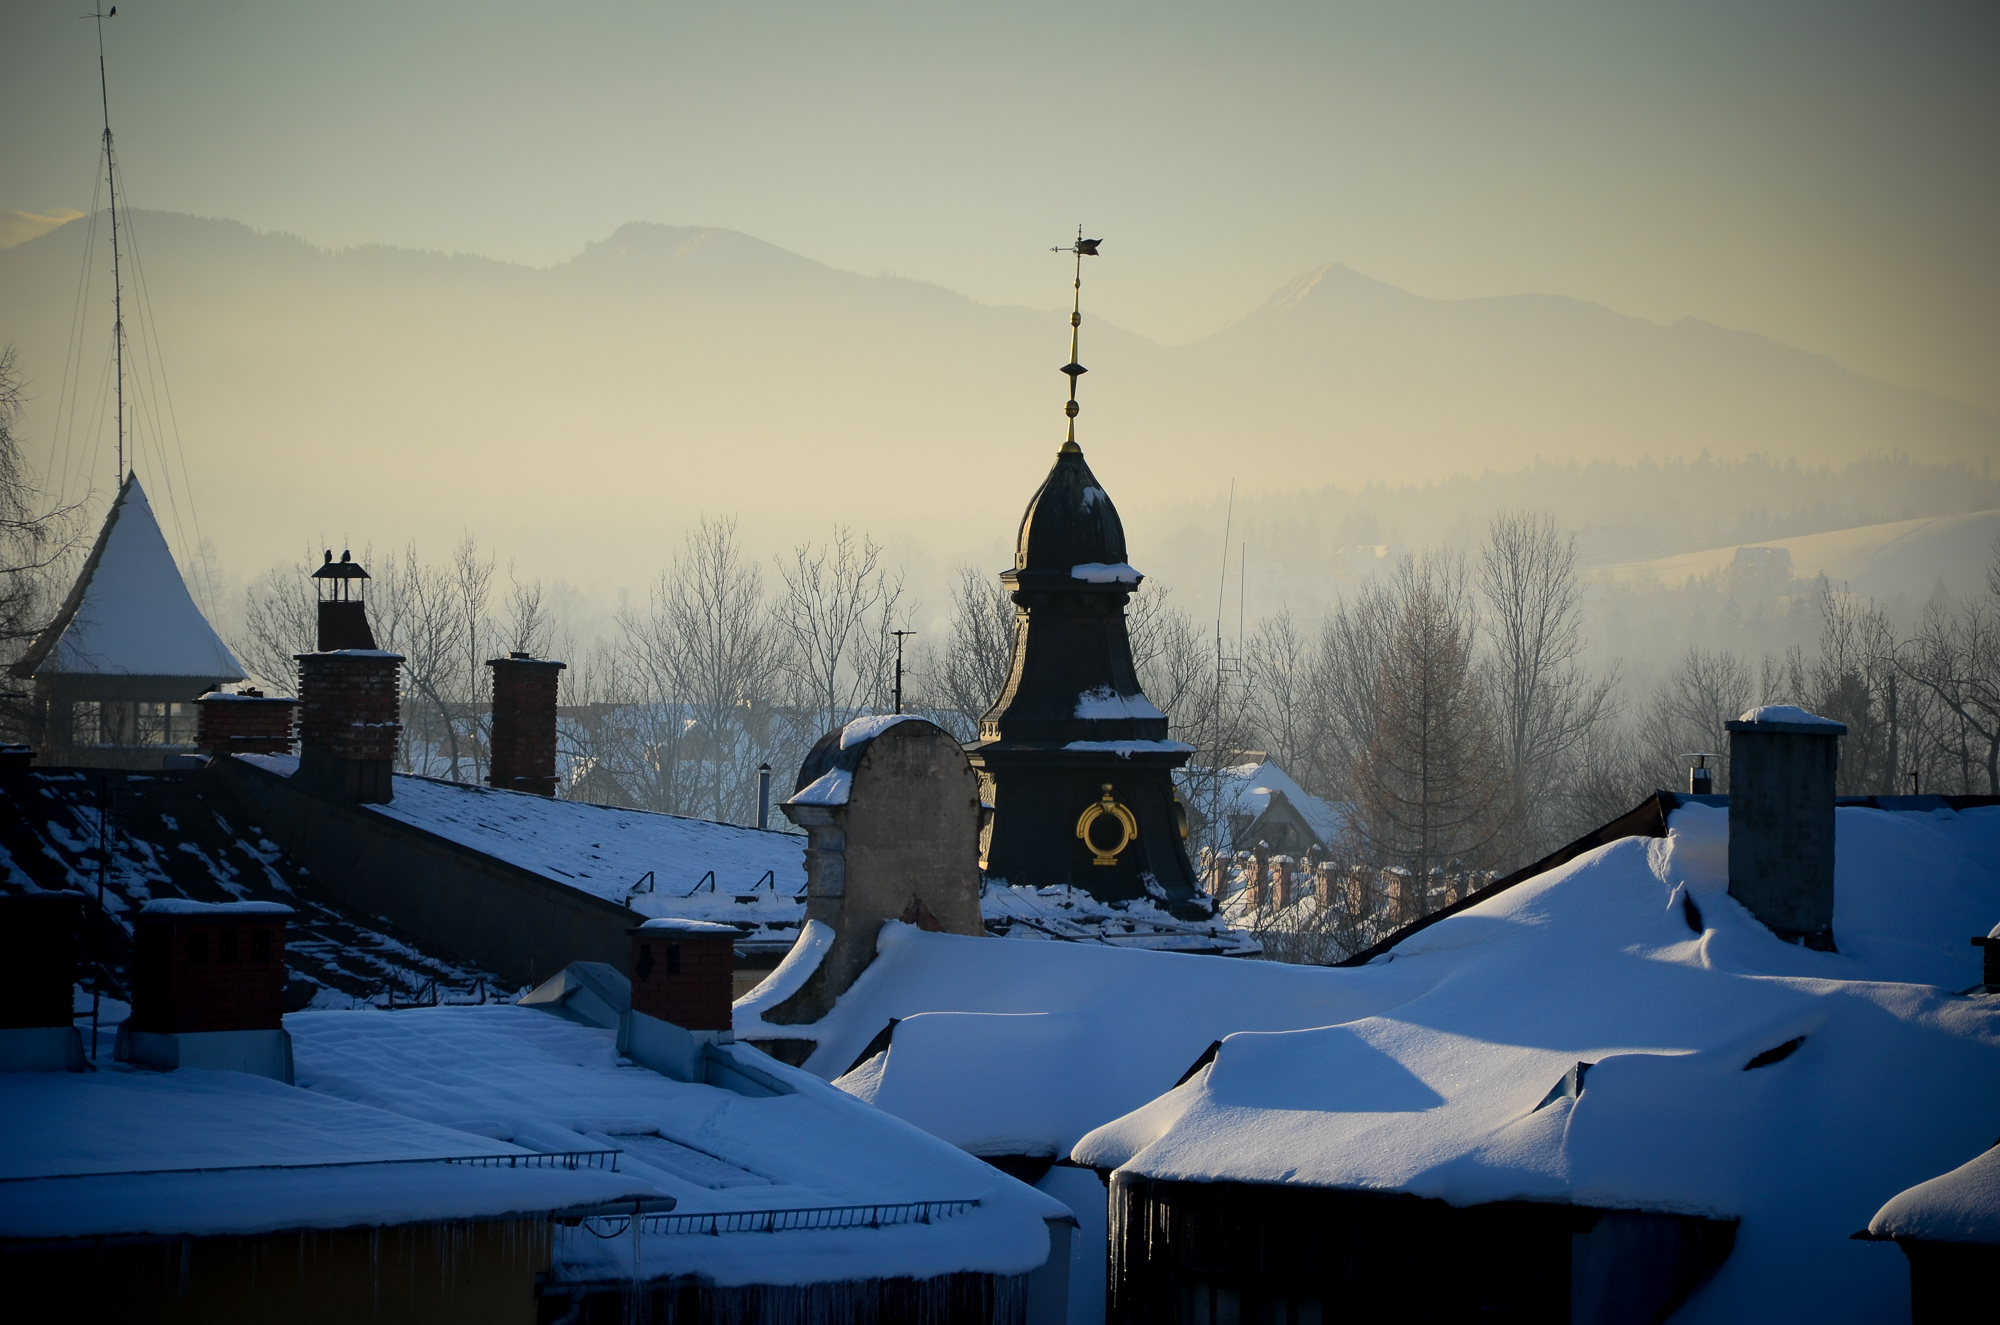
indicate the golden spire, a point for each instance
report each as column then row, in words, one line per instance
column 1083, row 248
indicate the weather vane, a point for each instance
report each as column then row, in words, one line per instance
column 1083, row 248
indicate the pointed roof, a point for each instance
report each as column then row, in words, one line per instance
column 129, row 612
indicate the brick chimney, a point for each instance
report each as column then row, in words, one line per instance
column 248, row 722
column 349, row 713
column 522, row 751
column 683, row 972
column 38, row 951
column 208, row 987
column 1782, row 762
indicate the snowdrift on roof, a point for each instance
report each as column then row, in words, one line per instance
column 1730, row 1074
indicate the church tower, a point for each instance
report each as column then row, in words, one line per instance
column 1073, row 757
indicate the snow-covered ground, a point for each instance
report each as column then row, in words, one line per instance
column 1907, row 557
column 1730, row 1074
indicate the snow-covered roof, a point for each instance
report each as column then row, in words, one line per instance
column 109, row 1152
column 129, row 612
column 1106, row 703
column 1021, row 1048
column 1728, row 1073
column 1960, row 1206
column 180, row 840
column 519, row 1075
column 1246, row 789
column 1788, row 713
column 607, row 852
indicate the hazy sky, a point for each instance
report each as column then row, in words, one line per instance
column 1823, row 173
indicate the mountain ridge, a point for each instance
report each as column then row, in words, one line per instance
column 666, row 371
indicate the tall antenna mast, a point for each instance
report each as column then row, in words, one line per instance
column 117, row 283
column 1083, row 248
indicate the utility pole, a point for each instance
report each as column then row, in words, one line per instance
column 117, row 283
column 97, row 928
column 899, row 634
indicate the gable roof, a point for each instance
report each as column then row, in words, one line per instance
column 1248, row 789
column 129, row 612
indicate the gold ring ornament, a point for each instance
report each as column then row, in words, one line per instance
column 1103, row 808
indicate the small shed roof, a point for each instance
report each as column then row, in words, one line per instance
column 129, row 613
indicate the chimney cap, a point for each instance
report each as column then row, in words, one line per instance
column 692, row 928
column 181, row 906
column 1786, row 719
column 344, row 569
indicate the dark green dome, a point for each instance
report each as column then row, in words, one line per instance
column 1070, row 521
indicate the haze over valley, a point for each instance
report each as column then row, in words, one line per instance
column 581, row 417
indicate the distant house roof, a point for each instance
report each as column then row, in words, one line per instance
column 1248, row 790
column 1619, row 1032
column 129, row 614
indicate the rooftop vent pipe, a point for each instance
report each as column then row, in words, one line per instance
column 1782, row 762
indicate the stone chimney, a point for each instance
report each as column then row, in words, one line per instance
column 521, row 755
column 208, row 988
column 891, row 809
column 1782, row 762
column 38, row 951
column 683, row 972
column 349, row 705
column 248, row 722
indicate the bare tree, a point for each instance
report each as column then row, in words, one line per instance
column 529, row 625
column 36, row 539
column 716, row 653
column 1955, row 660
column 280, row 620
column 1343, row 679
column 418, row 611
column 962, row 677
column 472, row 588
column 1426, row 787
column 1687, row 714
column 1278, row 660
column 837, row 609
column 1544, row 703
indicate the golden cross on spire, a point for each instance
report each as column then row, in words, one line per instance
column 1083, row 248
